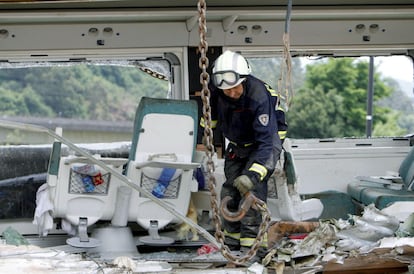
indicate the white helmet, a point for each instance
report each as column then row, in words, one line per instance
column 229, row 69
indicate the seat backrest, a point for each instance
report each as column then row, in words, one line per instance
column 165, row 126
column 289, row 163
column 406, row 170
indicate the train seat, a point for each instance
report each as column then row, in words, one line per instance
column 384, row 190
column 161, row 161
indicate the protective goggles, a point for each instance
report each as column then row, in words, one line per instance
column 228, row 77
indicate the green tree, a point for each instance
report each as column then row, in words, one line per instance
column 333, row 100
column 269, row 69
column 389, row 127
column 310, row 118
column 34, row 103
column 25, row 103
column 401, row 116
column 81, row 91
column 12, row 104
column 61, row 88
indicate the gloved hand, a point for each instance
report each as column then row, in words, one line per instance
column 243, row 184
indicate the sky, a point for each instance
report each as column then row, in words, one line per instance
column 399, row 68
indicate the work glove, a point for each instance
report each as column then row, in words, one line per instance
column 243, row 184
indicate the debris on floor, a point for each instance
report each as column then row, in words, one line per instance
column 370, row 243
column 341, row 241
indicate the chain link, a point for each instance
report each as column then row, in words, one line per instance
column 208, row 142
column 154, row 73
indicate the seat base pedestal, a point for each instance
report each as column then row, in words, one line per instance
column 154, row 238
column 116, row 242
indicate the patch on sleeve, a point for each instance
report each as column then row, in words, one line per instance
column 264, row 119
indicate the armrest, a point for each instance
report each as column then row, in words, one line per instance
column 162, row 164
column 393, row 182
column 392, row 178
column 109, row 161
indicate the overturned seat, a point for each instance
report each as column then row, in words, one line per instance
column 161, row 162
column 382, row 191
column 283, row 199
column 81, row 193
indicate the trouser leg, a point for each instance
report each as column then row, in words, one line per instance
column 250, row 224
column 232, row 169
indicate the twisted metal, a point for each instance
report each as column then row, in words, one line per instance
column 208, row 142
column 285, row 84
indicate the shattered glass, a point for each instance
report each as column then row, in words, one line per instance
column 158, row 67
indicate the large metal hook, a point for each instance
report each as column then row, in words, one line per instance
column 249, row 200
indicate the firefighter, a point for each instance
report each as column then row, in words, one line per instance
column 247, row 112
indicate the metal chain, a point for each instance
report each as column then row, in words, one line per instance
column 154, row 73
column 208, row 142
column 208, row 132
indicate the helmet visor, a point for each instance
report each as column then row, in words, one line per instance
column 228, row 78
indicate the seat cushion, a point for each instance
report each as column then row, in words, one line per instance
column 354, row 189
column 382, row 197
column 378, row 195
